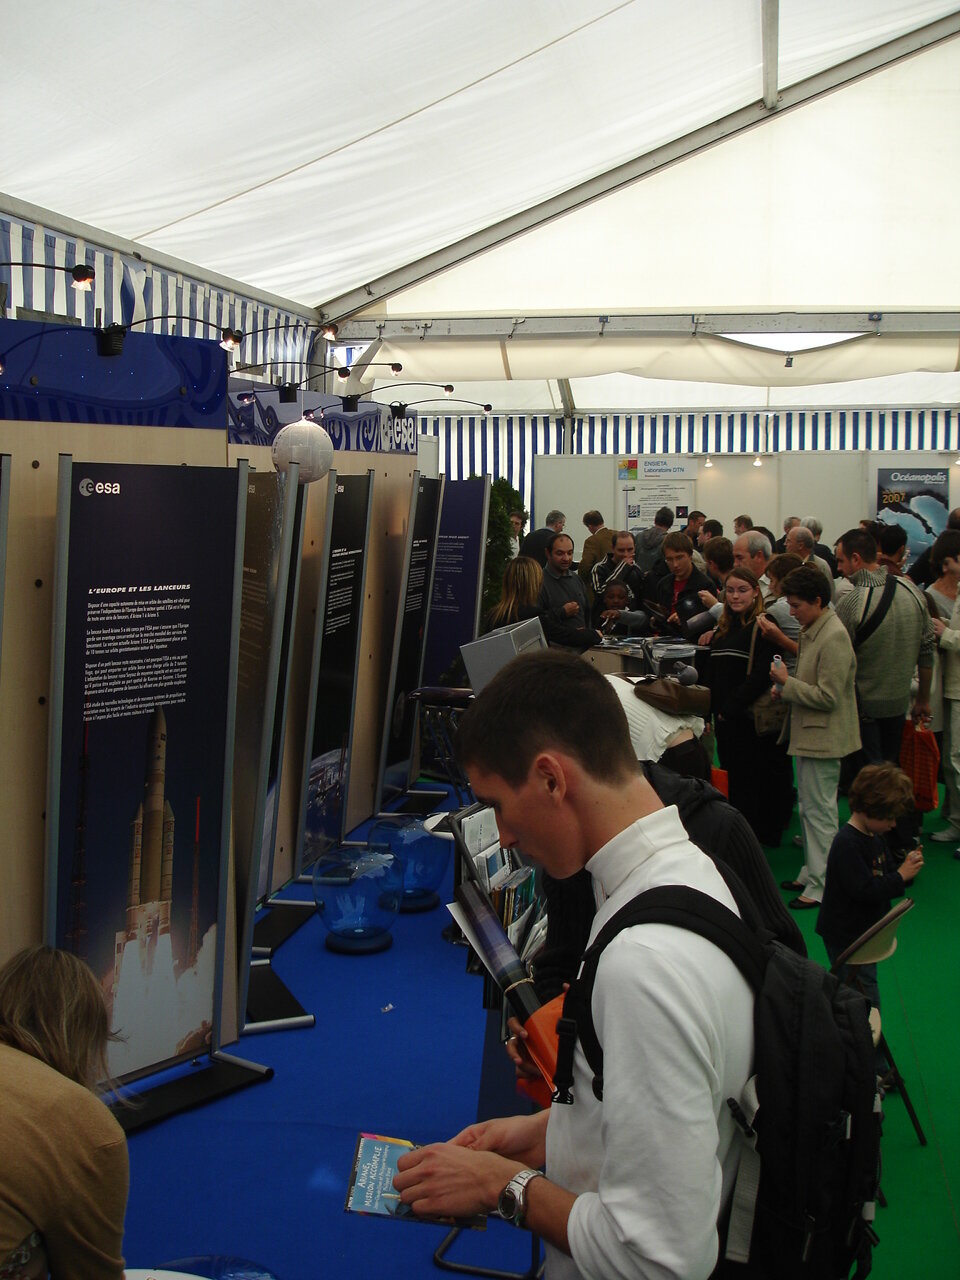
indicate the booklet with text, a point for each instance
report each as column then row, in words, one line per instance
column 371, row 1183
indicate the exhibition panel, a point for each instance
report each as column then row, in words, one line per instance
column 141, row 745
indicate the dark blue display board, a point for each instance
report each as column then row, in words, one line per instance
column 457, row 577
column 54, row 373
column 336, row 654
column 409, row 638
column 142, row 718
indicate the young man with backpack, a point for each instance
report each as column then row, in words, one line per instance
column 661, row 1033
column 635, row 1182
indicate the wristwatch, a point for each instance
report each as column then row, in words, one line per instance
column 512, row 1205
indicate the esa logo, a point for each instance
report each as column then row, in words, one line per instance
column 87, row 487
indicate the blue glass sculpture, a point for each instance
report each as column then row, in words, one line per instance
column 358, row 891
column 424, row 856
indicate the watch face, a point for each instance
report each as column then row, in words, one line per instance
column 507, row 1207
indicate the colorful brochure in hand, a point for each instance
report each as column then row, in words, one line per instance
column 371, row 1188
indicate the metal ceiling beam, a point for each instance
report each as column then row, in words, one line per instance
column 845, row 73
column 511, row 328
column 770, row 41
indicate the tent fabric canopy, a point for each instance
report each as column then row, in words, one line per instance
column 318, row 160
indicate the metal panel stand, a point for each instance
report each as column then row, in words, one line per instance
column 223, row 1074
column 533, row 1271
column 271, row 1006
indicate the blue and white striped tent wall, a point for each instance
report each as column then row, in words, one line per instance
column 749, row 431
column 498, row 444
column 506, row 444
column 126, row 290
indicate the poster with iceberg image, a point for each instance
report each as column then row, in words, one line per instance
column 918, row 500
column 142, row 709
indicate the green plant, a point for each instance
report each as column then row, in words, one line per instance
column 503, row 499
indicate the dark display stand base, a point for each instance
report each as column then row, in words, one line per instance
column 419, row 900
column 224, row 1074
column 271, row 1006
column 416, row 802
column 359, row 946
column 281, row 922
column 533, row 1271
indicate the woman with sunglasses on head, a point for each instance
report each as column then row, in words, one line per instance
column 758, row 769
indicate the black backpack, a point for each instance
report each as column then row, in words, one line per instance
column 809, row 1169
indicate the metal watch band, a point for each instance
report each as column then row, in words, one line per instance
column 512, row 1205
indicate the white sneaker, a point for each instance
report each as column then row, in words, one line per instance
column 949, row 835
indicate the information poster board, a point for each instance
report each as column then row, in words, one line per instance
column 4, row 515
column 655, row 483
column 142, row 715
column 275, row 767
column 918, row 500
column 271, row 498
column 336, row 654
column 406, row 668
column 457, row 576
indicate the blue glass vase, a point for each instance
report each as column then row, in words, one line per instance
column 424, row 856
column 358, row 892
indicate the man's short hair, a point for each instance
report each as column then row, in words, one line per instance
column 521, row 515
column 893, row 537
column 623, row 533
column 541, row 701
column 746, row 521
column 807, row 583
column 719, row 552
column 814, row 525
column 881, row 791
column 677, row 542
column 948, row 544
column 554, row 516
column 592, row 518
column 857, row 542
column 553, row 537
column 757, row 544
column 664, row 517
column 804, row 537
column 790, row 523
column 712, row 528
column 696, row 515
column 953, row 519
column 779, row 566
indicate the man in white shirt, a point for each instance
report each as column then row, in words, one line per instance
column 635, row 1182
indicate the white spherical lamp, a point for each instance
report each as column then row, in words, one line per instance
column 306, row 443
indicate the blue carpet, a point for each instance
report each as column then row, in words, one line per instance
column 263, row 1173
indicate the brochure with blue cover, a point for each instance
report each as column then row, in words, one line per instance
column 371, row 1183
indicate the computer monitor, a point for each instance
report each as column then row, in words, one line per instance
column 483, row 658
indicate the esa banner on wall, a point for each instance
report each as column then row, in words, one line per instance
column 141, row 739
column 457, row 576
column 918, row 500
column 336, row 656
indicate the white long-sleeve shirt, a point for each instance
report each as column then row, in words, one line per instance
column 653, row 1162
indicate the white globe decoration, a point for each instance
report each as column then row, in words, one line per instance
column 306, row 443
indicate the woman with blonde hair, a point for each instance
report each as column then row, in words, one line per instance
column 522, row 579
column 758, row 769
column 64, row 1174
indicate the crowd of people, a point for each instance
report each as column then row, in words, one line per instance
column 815, row 654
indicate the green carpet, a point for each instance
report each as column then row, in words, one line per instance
column 920, row 1228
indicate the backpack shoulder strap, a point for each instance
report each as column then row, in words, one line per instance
column 677, row 905
column 868, row 627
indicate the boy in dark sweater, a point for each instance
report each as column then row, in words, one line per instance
column 862, row 873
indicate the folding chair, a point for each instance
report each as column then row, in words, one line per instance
column 878, row 943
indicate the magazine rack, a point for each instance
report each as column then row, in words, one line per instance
column 493, row 1060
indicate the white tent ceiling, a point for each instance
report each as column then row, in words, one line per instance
column 337, row 161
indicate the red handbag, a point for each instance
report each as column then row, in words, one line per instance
column 920, row 761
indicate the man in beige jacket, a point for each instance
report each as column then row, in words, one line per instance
column 822, row 726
